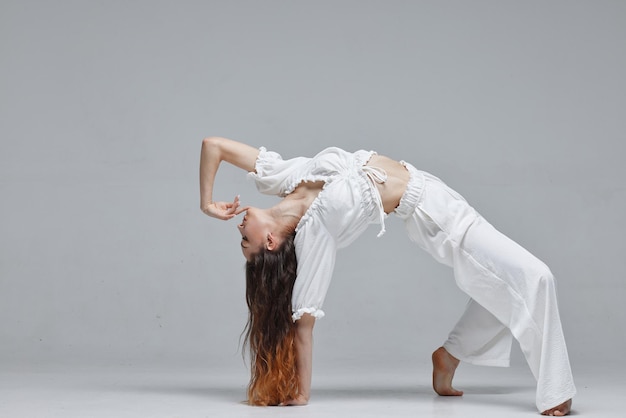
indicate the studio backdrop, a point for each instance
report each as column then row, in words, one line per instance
column 106, row 258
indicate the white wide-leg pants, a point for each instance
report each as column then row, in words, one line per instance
column 512, row 292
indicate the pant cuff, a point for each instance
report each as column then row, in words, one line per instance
column 476, row 361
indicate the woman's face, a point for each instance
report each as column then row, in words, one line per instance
column 253, row 232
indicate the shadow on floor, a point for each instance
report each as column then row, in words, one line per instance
column 320, row 392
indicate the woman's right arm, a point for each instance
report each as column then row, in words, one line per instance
column 214, row 151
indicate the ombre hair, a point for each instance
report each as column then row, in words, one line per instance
column 270, row 331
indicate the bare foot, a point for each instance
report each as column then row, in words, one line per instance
column 560, row 410
column 444, row 365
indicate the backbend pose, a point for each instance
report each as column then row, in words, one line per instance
column 327, row 202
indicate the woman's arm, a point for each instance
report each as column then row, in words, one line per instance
column 304, row 351
column 214, row 151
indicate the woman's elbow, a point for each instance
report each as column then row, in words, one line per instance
column 211, row 141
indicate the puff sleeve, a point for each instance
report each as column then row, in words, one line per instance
column 273, row 175
column 316, row 249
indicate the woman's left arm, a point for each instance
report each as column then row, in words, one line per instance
column 214, row 151
column 304, row 352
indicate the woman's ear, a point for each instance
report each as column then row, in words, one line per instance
column 272, row 243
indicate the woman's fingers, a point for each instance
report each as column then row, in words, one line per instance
column 225, row 210
column 232, row 207
column 242, row 209
column 235, row 209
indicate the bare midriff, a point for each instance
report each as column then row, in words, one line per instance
column 391, row 191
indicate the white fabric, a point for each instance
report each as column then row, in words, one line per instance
column 511, row 291
column 346, row 206
column 377, row 175
column 510, row 288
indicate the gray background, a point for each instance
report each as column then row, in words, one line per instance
column 105, row 257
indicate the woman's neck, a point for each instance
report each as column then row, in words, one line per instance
column 292, row 208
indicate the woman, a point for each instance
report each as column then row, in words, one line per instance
column 327, row 202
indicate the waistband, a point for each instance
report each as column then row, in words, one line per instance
column 413, row 192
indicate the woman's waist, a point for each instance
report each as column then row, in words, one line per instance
column 395, row 181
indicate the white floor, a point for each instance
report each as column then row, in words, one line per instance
column 129, row 392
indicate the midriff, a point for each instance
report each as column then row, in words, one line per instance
column 391, row 191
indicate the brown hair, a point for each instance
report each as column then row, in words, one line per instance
column 270, row 331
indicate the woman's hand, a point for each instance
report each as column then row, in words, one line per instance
column 299, row 401
column 224, row 210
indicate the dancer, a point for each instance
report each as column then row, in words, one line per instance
column 327, row 202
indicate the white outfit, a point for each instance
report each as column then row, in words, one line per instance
column 346, row 206
column 512, row 292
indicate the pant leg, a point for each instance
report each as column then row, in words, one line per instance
column 480, row 338
column 520, row 291
column 511, row 284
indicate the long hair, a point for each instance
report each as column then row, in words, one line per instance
column 270, row 331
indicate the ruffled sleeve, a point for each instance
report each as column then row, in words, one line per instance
column 316, row 251
column 273, row 175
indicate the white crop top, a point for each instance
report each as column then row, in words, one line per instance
column 347, row 204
